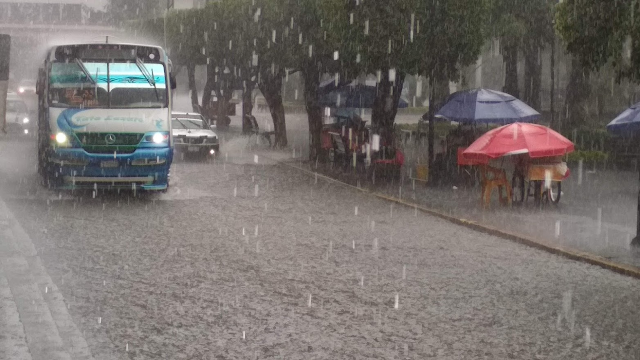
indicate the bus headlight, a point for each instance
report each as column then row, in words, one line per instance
column 159, row 138
column 61, row 138
column 25, row 120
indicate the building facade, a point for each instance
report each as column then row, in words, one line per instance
column 34, row 25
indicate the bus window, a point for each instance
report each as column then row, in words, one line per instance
column 118, row 85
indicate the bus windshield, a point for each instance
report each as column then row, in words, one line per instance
column 107, row 85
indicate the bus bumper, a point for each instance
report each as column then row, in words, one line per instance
column 145, row 169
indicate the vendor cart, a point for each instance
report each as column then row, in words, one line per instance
column 540, row 179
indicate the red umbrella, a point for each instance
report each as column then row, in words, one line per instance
column 518, row 138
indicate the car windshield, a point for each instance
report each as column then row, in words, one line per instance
column 184, row 123
column 110, row 85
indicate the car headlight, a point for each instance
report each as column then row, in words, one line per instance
column 25, row 120
column 61, row 138
column 21, row 90
column 159, row 138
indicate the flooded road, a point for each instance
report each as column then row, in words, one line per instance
column 245, row 258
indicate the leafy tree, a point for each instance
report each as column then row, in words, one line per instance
column 185, row 38
column 275, row 25
column 451, row 46
column 539, row 35
column 597, row 32
column 310, row 49
column 507, row 23
column 382, row 44
column 524, row 26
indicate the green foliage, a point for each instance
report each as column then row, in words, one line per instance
column 185, row 36
column 589, row 139
column 588, row 156
column 451, row 36
column 517, row 21
column 441, row 128
column 602, row 31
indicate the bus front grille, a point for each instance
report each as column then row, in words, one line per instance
column 109, row 139
column 109, row 149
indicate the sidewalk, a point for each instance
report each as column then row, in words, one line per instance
column 596, row 216
column 34, row 322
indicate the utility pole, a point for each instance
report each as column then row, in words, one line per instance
column 170, row 5
column 5, row 51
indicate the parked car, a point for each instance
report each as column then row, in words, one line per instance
column 27, row 87
column 18, row 120
column 192, row 135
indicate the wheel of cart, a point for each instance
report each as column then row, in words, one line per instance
column 553, row 193
column 533, row 184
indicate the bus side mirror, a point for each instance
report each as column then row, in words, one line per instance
column 172, row 80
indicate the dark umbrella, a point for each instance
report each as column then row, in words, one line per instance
column 628, row 124
column 486, row 106
column 350, row 95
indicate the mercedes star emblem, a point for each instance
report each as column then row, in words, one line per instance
column 110, row 139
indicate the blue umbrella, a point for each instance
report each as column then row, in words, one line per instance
column 350, row 95
column 627, row 123
column 486, row 106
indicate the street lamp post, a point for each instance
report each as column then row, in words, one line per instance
column 170, row 5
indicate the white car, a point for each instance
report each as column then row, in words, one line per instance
column 18, row 121
column 27, row 87
column 192, row 135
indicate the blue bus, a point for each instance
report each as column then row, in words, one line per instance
column 105, row 117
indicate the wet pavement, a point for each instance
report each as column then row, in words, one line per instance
column 595, row 215
column 245, row 258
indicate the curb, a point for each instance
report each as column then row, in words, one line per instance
column 627, row 270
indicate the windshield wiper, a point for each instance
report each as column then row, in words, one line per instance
column 85, row 71
column 181, row 123
column 150, row 78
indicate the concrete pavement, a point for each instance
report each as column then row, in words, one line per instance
column 34, row 322
column 254, row 260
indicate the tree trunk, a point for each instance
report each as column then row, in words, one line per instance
column 311, row 77
column 431, row 135
column 510, row 55
column 378, row 121
column 271, row 88
column 532, row 74
column 536, row 86
column 636, row 240
column 247, row 105
column 193, row 90
column 208, row 88
column 438, row 93
column 552, row 97
column 578, row 91
column 385, row 106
